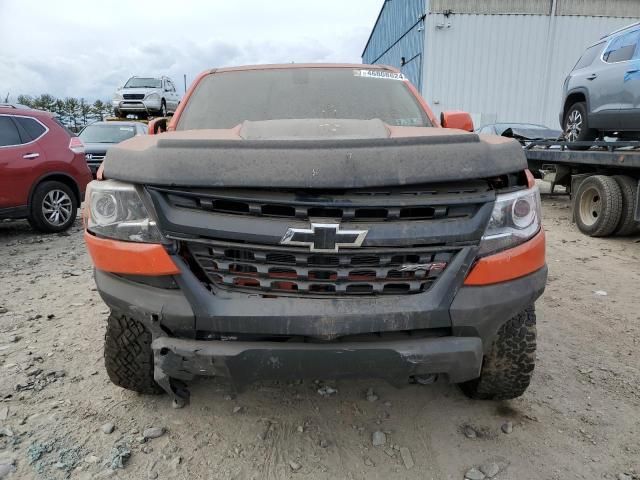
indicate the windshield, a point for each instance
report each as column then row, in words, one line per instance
column 107, row 133
column 227, row 99
column 143, row 83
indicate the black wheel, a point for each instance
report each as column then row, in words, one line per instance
column 117, row 113
column 629, row 190
column 128, row 356
column 53, row 207
column 576, row 126
column 597, row 206
column 508, row 366
column 163, row 109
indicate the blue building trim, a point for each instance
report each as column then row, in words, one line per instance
column 397, row 38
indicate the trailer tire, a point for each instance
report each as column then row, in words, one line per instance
column 575, row 126
column 508, row 366
column 629, row 188
column 597, row 206
column 128, row 357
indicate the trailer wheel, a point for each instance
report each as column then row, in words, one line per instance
column 629, row 187
column 576, row 126
column 597, row 206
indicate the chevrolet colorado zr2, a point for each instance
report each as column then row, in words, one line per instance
column 317, row 221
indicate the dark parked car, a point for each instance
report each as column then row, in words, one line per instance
column 601, row 95
column 522, row 132
column 43, row 173
column 100, row 136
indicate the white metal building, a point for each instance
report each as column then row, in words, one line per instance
column 500, row 60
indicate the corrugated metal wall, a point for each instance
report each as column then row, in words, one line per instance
column 610, row 8
column 398, row 34
column 506, row 68
column 540, row 7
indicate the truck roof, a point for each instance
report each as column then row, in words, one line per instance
column 278, row 66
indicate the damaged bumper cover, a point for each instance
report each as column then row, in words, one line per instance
column 459, row 358
column 472, row 316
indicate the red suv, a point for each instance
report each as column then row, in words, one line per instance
column 43, row 172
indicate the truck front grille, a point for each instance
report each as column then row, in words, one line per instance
column 376, row 205
column 133, row 96
column 296, row 271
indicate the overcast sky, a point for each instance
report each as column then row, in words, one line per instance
column 88, row 48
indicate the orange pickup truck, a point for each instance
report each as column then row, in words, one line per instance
column 317, row 221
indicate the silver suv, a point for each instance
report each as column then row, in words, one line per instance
column 601, row 95
column 146, row 96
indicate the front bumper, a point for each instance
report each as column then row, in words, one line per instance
column 146, row 105
column 459, row 358
column 466, row 319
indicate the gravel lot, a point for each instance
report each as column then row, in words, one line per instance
column 580, row 419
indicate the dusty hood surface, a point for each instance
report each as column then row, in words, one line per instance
column 324, row 153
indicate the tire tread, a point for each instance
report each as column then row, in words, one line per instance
column 508, row 366
column 628, row 188
column 611, row 197
column 128, row 355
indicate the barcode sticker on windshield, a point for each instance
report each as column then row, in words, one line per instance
column 379, row 74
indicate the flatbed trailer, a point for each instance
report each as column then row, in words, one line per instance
column 602, row 177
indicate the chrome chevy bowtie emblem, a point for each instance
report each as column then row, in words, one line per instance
column 324, row 237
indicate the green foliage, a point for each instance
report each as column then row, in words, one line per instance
column 73, row 112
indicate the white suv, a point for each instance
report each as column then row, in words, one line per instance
column 146, row 96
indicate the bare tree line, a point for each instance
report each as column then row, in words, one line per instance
column 75, row 113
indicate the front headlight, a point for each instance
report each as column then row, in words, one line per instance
column 152, row 96
column 514, row 220
column 115, row 210
column 118, row 96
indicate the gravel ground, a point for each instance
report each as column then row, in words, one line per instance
column 60, row 417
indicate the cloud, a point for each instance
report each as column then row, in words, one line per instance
column 90, row 53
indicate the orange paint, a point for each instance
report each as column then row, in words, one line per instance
column 171, row 127
column 510, row 264
column 129, row 257
column 457, row 119
column 531, row 181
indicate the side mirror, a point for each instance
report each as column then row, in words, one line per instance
column 456, row 119
column 158, row 125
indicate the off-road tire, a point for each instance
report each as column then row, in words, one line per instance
column 629, row 189
column 508, row 366
column 610, row 209
column 117, row 113
column 36, row 216
column 586, row 134
column 128, row 357
column 163, row 109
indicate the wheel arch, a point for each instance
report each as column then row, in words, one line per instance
column 577, row 95
column 60, row 177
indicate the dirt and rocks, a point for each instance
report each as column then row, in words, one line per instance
column 60, row 417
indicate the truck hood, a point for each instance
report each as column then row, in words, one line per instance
column 140, row 90
column 316, row 153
